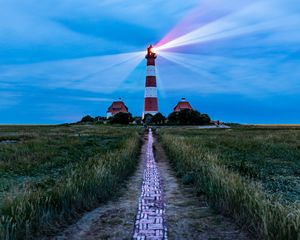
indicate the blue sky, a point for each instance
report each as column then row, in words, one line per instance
column 61, row 59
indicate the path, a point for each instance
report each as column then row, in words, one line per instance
column 153, row 201
column 150, row 220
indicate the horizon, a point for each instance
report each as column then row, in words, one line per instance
column 62, row 60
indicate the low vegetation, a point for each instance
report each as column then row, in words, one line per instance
column 50, row 175
column 121, row 118
column 249, row 173
column 182, row 117
column 188, row 117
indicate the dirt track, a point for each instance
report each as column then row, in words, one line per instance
column 187, row 215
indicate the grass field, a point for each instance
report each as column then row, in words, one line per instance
column 51, row 174
column 251, row 173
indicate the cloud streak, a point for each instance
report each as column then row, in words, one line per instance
column 95, row 74
column 212, row 74
column 8, row 99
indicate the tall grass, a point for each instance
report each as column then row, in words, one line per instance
column 231, row 193
column 38, row 210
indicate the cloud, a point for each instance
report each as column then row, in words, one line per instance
column 36, row 22
column 33, row 31
column 95, row 99
column 217, row 74
column 9, row 99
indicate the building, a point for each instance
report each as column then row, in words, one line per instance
column 116, row 107
column 183, row 104
column 150, row 99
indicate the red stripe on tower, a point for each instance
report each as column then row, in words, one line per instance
column 150, row 100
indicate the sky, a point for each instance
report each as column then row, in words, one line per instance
column 237, row 61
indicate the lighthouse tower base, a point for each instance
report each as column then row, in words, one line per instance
column 148, row 112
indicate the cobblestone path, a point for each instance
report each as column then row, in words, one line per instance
column 150, row 220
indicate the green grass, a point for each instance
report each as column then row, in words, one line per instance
column 54, row 173
column 251, row 173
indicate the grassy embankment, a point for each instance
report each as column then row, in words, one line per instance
column 249, row 173
column 52, row 174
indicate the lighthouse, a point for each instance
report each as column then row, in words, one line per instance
column 150, row 99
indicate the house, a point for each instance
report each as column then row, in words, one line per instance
column 182, row 104
column 116, row 107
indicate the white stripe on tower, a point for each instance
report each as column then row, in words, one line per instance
column 150, row 92
column 150, row 71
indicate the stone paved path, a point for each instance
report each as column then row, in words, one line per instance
column 150, row 220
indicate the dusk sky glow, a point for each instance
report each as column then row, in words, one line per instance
column 61, row 59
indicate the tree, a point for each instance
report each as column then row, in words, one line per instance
column 137, row 120
column 100, row 119
column 158, row 118
column 87, row 118
column 147, row 118
column 173, row 118
column 188, row 117
column 205, row 119
column 121, row 118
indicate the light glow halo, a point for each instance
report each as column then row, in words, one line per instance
column 153, row 50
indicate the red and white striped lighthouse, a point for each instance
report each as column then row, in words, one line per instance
column 150, row 100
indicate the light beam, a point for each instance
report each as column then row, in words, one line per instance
column 252, row 19
column 97, row 74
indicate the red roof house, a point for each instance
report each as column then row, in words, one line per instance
column 116, row 107
column 183, row 104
